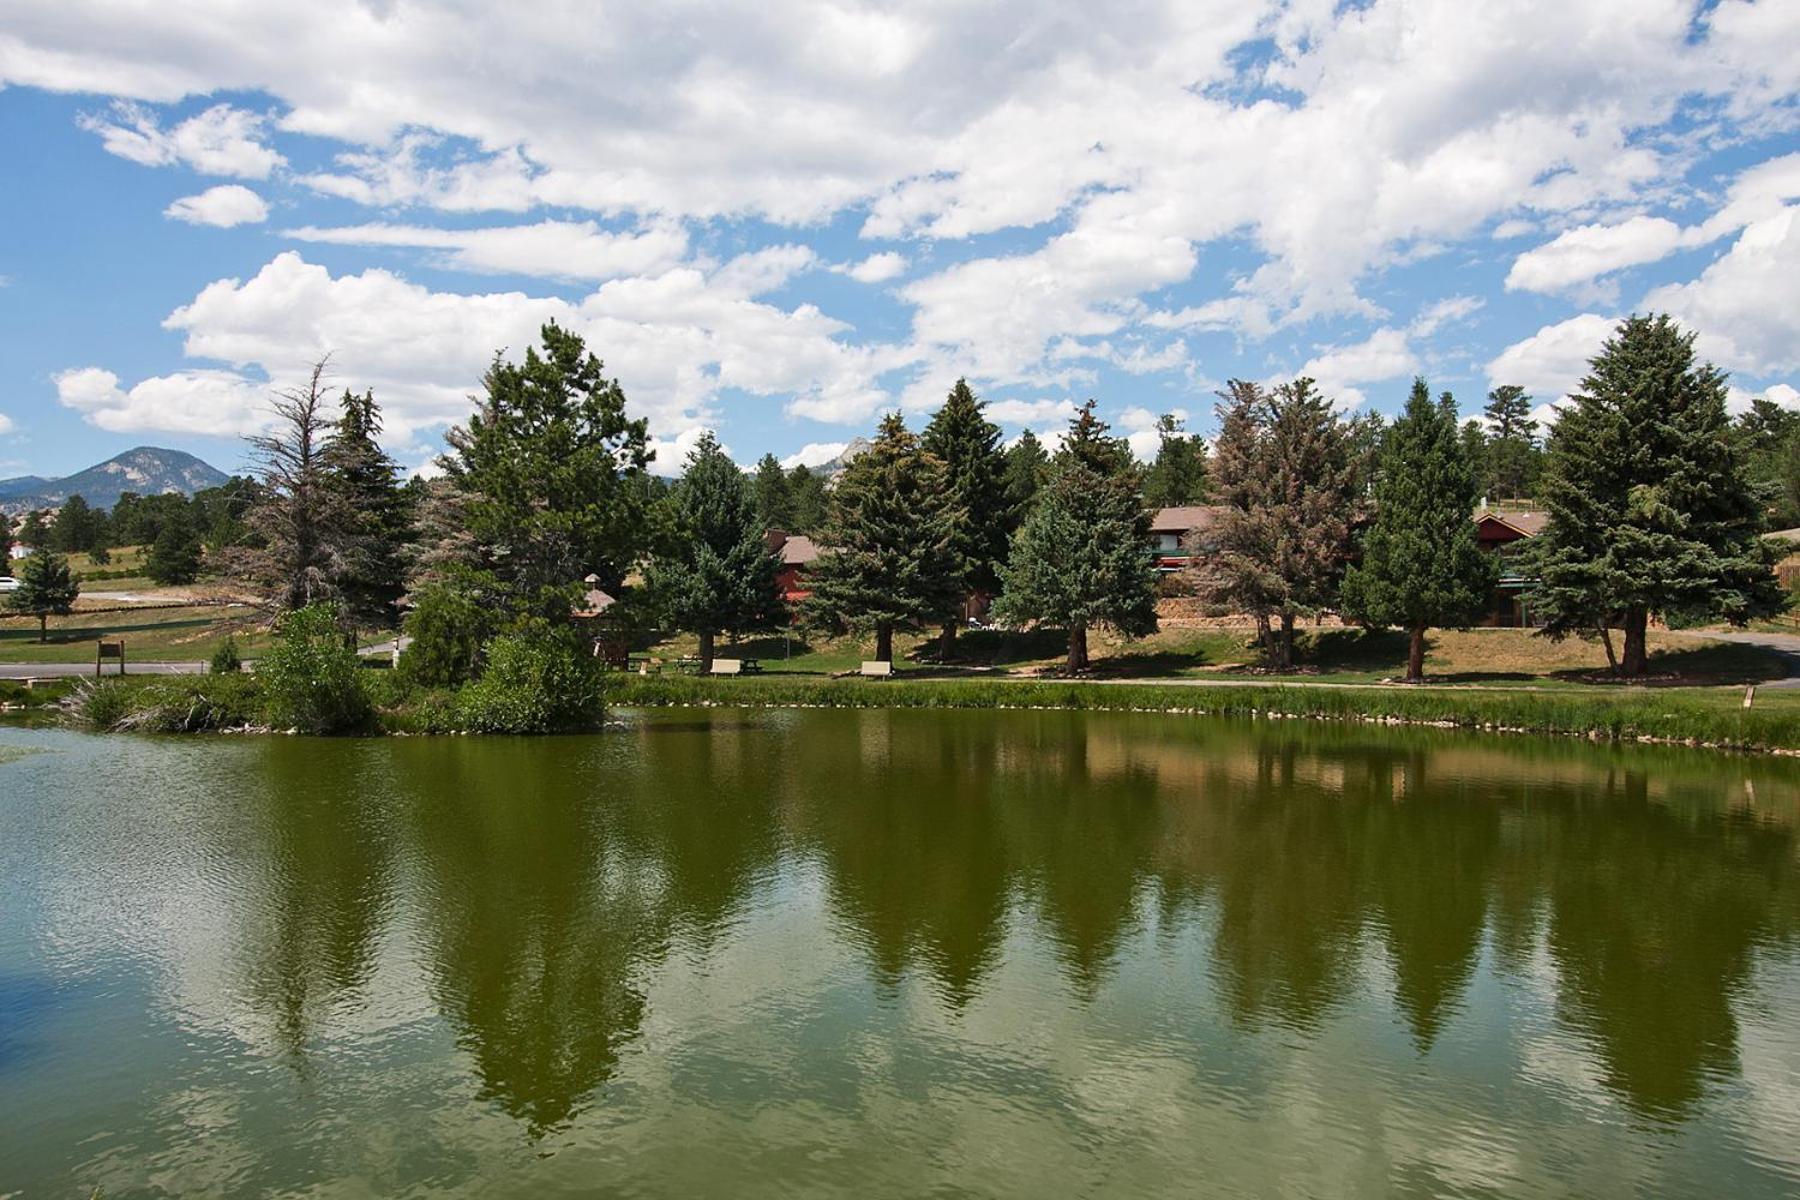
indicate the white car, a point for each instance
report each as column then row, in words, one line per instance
column 8, row 584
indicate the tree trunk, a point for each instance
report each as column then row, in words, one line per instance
column 1265, row 640
column 1612, row 659
column 1635, row 658
column 706, row 651
column 1415, row 656
column 1285, row 648
column 947, row 643
column 1078, row 655
column 43, row 628
column 884, row 643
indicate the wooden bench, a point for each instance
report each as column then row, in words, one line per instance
column 877, row 669
column 727, row 666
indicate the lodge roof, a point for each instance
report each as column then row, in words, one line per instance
column 1184, row 518
column 797, row 550
column 1525, row 524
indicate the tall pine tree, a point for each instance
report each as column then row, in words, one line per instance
column 1421, row 565
column 1027, row 471
column 806, row 495
column 1650, row 510
column 1512, row 457
column 1178, row 476
column 549, row 475
column 774, row 498
column 1288, row 474
column 718, row 572
column 961, row 437
column 1081, row 559
column 377, row 511
column 887, row 558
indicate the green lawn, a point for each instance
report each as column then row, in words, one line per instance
column 188, row 633
column 1479, row 657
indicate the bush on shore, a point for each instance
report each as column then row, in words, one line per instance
column 169, row 704
column 535, row 682
column 309, row 676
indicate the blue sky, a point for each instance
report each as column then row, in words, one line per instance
column 778, row 221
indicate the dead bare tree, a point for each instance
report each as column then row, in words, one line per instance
column 298, row 526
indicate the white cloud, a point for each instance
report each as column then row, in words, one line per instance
column 814, row 453
column 675, row 341
column 877, row 268
column 6, row 424
column 1554, row 360
column 191, row 402
column 1030, row 412
column 549, row 249
column 1579, row 256
column 1746, row 304
column 227, row 205
column 1452, row 310
column 220, row 141
column 1117, row 148
column 1384, row 355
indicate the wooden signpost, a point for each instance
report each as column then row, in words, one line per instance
column 106, row 650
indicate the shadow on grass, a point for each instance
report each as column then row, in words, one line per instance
column 1717, row 665
column 89, row 633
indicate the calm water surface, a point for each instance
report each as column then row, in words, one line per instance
column 897, row 954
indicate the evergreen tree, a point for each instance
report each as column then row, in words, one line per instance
column 378, row 514
column 806, row 492
column 1421, row 565
column 719, row 573
column 774, row 497
column 550, row 475
column 174, row 556
column 968, row 444
column 1650, row 510
column 1089, row 444
column 1512, row 457
column 46, row 587
column 77, row 527
column 6, row 541
column 300, row 521
column 33, row 532
column 887, row 560
column 1081, row 558
column 1289, row 475
column 1768, row 441
column 1027, row 471
column 1178, row 476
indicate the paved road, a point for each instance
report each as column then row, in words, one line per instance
column 62, row 669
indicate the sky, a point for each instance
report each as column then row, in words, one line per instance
column 780, row 220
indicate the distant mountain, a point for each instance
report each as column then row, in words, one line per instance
column 146, row 470
column 834, row 467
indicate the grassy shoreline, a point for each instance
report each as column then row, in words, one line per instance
column 1706, row 717
column 1712, row 718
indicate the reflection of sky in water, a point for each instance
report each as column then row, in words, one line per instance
column 1019, row 953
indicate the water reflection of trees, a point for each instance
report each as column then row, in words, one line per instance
column 551, row 880
column 323, row 889
column 1316, row 855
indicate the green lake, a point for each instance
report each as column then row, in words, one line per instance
column 867, row 953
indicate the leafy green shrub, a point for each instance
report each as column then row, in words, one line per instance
column 309, row 677
column 448, row 626
column 103, row 705
column 226, row 660
column 535, row 682
column 170, row 704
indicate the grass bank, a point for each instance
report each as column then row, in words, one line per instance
column 1710, row 717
